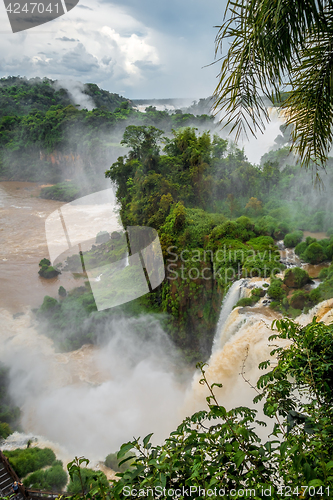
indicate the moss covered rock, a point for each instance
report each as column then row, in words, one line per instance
column 102, row 237
column 48, row 272
column 296, row 278
column 62, row 291
column 298, row 300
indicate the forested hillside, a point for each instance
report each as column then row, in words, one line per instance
column 19, row 96
column 45, row 137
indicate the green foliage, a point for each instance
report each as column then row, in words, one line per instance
column 49, row 304
column 63, row 191
column 48, row 272
column 9, row 413
column 300, row 248
column 102, row 237
column 5, row 430
column 248, row 301
column 315, row 251
column 216, row 451
column 314, row 254
column 273, row 46
column 29, row 460
column 275, row 290
column 44, row 262
column 19, row 96
column 292, row 239
column 62, row 292
column 323, row 274
column 85, row 480
column 112, row 462
column 51, row 479
column 296, row 277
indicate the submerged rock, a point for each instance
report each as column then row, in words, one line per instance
column 48, row 272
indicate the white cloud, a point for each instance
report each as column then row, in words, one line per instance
column 107, row 44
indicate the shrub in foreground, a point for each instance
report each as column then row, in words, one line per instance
column 28, row 460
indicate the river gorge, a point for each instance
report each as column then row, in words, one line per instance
column 90, row 401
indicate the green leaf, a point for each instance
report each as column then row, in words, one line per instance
column 124, row 449
column 147, row 439
column 239, row 457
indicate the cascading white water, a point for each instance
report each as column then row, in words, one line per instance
column 230, row 300
column 288, row 255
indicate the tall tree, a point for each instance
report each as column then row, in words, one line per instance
column 279, row 45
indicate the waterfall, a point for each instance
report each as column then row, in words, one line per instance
column 288, row 256
column 229, row 301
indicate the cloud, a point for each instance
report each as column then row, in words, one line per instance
column 66, row 39
column 84, row 7
column 148, row 50
column 79, row 60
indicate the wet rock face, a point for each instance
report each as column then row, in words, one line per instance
column 296, row 278
column 298, row 300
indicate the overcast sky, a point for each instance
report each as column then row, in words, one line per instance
column 139, row 49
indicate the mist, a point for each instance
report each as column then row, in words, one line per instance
column 75, row 91
column 90, row 401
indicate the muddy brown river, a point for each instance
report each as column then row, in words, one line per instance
column 23, row 245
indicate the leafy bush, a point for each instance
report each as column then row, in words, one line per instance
column 300, row 248
column 54, row 478
column 90, row 479
column 258, row 292
column 64, row 191
column 9, row 413
column 292, row 239
column 28, row 460
column 102, row 237
column 245, row 301
column 48, row 272
column 323, row 273
column 275, row 290
column 315, row 296
column 44, row 262
column 5, row 430
column 314, row 254
column 261, row 243
column 262, row 267
column 49, row 304
column 112, row 462
column 266, row 225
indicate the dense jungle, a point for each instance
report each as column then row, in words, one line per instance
column 219, row 219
